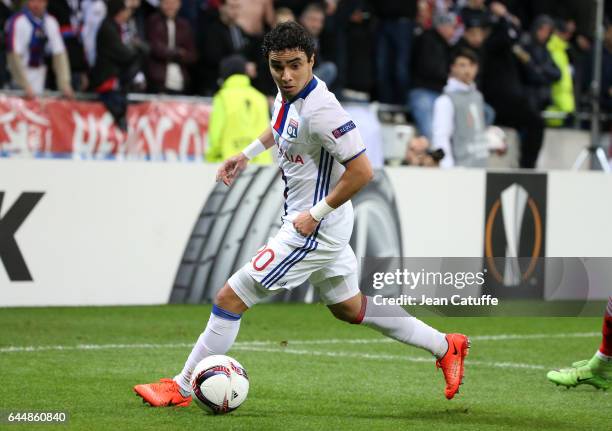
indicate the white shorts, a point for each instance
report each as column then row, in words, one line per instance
column 288, row 260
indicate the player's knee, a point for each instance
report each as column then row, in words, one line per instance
column 347, row 311
column 227, row 299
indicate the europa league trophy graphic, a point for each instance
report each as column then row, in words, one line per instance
column 513, row 203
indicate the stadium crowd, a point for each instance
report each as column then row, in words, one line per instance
column 532, row 56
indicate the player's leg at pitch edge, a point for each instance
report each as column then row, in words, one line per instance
column 594, row 372
column 395, row 322
column 452, row 363
column 164, row 393
column 597, row 371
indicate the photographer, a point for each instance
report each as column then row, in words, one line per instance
column 419, row 153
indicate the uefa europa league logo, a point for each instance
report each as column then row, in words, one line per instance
column 511, row 206
column 513, row 203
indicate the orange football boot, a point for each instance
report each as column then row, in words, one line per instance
column 452, row 363
column 162, row 394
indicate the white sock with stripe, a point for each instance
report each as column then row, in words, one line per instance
column 395, row 322
column 217, row 339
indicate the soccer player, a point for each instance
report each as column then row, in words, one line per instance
column 323, row 164
column 595, row 372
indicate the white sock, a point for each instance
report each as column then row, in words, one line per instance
column 395, row 322
column 603, row 357
column 217, row 338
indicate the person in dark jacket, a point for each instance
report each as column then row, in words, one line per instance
column 70, row 18
column 313, row 20
column 540, row 70
column 221, row 38
column 394, row 38
column 172, row 49
column 503, row 88
column 606, row 75
column 476, row 32
column 5, row 13
column 430, row 71
column 474, row 11
column 116, row 63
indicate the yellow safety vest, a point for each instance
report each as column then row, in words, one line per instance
column 239, row 115
column 562, row 91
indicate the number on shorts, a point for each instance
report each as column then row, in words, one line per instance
column 266, row 253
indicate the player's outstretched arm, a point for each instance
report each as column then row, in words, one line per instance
column 358, row 173
column 231, row 168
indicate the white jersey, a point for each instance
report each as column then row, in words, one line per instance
column 20, row 32
column 315, row 138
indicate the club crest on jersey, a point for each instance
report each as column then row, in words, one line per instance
column 292, row 128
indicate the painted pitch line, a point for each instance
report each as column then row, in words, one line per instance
column 377, row 356
column 254, row 348
column 13, row 349
column 503, row 337
column 263, row 343
column 498, row 337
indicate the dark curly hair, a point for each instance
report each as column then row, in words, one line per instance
column 288, row 35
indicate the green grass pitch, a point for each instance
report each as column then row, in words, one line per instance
column 307, row 371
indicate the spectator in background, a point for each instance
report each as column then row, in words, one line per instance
column 394, row 38
column 425, row 13
column 540, row 70
column 133, row 34
column 239, row 115
column 255, row 17
column 354, row 48
column 222, row 38
column 283, row 14
column 117, row 63
column 503, row 88
column 477, row 30
column 94, row 12
column 6, row 10
column 70, row 18
column 252, row 16
column 458, row 118
column 298, row 6
column 172, row 49
column 418, row 153
column 563, row 89
column 432, row 58
column 32, row 34
column 474, row 11
column 606, row 75
column 313, row 20
column 136, row 23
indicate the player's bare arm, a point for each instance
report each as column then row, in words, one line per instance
column 358, row 173
column 231, row 168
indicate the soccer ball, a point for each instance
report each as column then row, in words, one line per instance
column 219, row 384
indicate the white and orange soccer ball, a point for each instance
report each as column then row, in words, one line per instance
column 219, row 384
